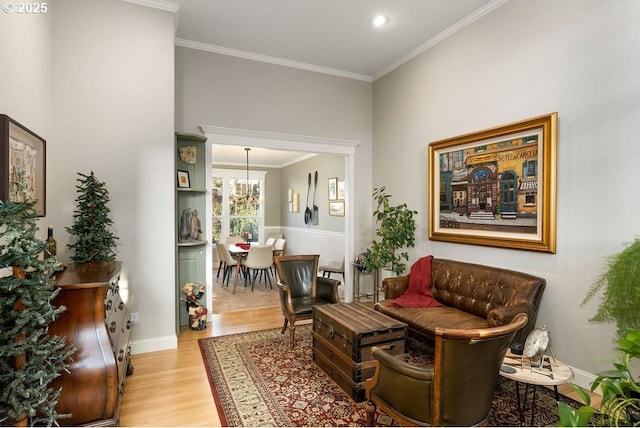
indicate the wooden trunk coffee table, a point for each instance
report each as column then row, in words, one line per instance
column 343, row 334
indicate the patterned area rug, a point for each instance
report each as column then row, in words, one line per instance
column 262, row 295
column 257, row 380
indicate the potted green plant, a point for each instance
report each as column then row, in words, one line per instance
column 396, row 229
column 94, row 241
column 620, row 405
column 620, row 283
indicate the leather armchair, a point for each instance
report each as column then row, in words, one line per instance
column 301, row 289
column 456, row 390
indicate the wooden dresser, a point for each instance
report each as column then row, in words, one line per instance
column 98, row 324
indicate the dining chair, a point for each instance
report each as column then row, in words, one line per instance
column 333, row 267
column 279, row 246
column 223, row 264
column 230, row 263
column 259, row 260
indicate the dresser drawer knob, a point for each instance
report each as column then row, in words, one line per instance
column 128, row 324
column 112, row 327
column 108, row 305
column 121, row 355
column 121, row 306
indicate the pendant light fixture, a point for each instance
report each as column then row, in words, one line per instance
column 246, row 149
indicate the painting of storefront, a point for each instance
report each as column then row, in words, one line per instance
column 492, row 182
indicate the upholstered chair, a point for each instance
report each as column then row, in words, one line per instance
column 301, row 289
column 333, row 267
column 456, row 390
column 230, row 263
column 259, row 259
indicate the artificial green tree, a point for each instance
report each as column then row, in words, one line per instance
column 94, row 242
column 30, row 359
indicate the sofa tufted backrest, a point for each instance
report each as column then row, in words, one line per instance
column 479, row 289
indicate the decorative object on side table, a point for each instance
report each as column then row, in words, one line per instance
column 94, row 241
column 396, row 228
column 536, row 344
column 31, row 357
column 24, row 165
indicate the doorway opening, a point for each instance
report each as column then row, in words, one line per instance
column 300, row 143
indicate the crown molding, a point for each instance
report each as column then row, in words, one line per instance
column 157, row 4
column 489, row 7
column 270, row 59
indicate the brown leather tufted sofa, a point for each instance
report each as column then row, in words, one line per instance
column 473, row 296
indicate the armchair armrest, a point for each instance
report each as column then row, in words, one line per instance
column 395, row 286
column 404, row 388
column 504, row 315
column 327, row 288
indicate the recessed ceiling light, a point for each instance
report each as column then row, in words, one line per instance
column 380, row 21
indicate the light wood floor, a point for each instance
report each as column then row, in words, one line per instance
column 171, row 388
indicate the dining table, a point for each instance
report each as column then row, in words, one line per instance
column 238, row 251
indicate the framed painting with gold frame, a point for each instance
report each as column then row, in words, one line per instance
column 23, row 161
column 496, row 187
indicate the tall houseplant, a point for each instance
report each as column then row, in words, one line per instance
column 94, row 241
column 620, row 284
column 396, row 229
column 30, row 359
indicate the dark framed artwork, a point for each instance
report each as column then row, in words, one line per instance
column 183, row 180
column 23, row 160
column 496, row 187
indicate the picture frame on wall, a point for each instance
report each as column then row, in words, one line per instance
column 23, row 159
column 333, row 188
column 496, row 187
column 336, row 208
column 183, row 180
column 341, row 189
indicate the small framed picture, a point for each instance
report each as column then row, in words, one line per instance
column 333, row 188
column 336, row 208
column 183, row 180
column 341, row 189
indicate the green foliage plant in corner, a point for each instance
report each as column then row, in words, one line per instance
column 30, row 358
column 396, row 229
column 620, row 404
column 94, row 242
column 620, row 283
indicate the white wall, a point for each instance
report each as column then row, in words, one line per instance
column 224, row 91
column 576, row 57
column 26, row 84
column 113, row 113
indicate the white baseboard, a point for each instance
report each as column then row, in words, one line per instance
column 583, row 379
column 155, row 344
